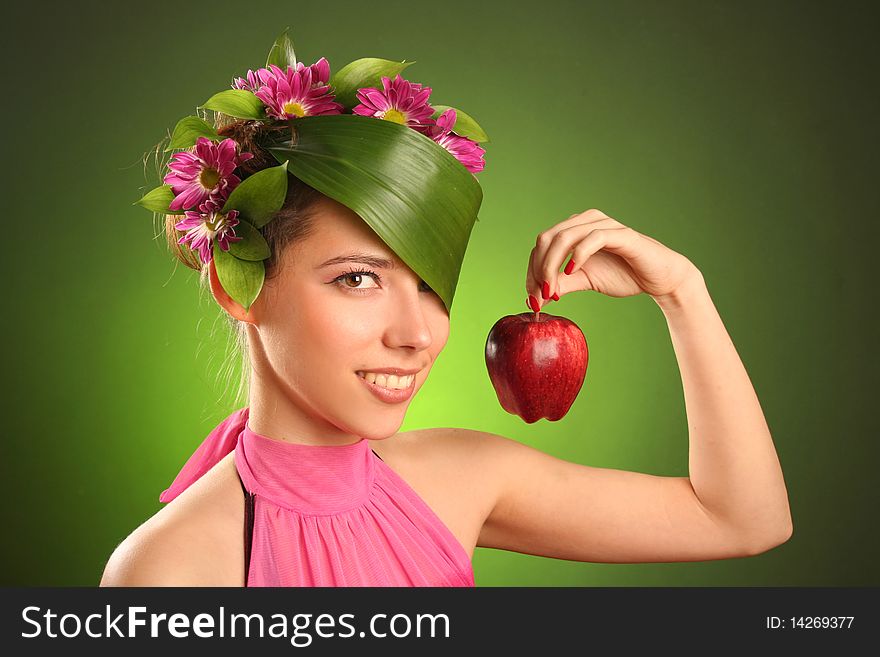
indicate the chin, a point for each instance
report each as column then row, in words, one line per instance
column 379, row 439
column 375, row 429
column 380, row 433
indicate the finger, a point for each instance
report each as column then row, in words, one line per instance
column 535, row 277
column 586, row 215
column 533, row 288
column 546, row 284
column 534, row 285
column 562, row 245
column 623, row 242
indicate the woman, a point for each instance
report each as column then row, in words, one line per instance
column 317, row 326
column 327, row 492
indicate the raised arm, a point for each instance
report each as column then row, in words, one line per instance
column 732, row 462
column 734, row 502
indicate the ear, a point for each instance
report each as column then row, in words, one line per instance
column 226, row 302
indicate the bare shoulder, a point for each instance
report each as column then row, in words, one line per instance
column 453, row 443
column 455, row 451
column 464, row 450
column 194, row 540
column 481, row 456
column 454, row 470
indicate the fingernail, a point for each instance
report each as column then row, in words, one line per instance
column 545, row 290
column 534, row 304
column 569, row 267
column 555, row 296
column 528, row 303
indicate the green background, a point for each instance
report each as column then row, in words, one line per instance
column 742, row 135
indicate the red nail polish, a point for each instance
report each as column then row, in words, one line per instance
column 528, row 303
column 545, row 290
column 569, row 267
column 533, row 302
column 555, row 296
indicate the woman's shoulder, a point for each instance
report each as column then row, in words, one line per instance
column 194, row 540
column 452, row 469
column 450, row 448
column 478, row 464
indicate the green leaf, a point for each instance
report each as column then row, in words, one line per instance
column 240, row 103
column 464, row 123
column 188, row 130
column 242, row 279
column 260, row 196
column 253, row 245
column 365, row 72
column 281, row 54
column 411, row 191
column 158, row 200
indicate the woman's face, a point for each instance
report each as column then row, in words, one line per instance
column 333, row 311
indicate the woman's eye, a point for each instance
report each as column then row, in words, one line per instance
column 357, row 278
column 351, row 281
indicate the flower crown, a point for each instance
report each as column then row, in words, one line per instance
column 219, row 209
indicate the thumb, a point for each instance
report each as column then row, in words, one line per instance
column 576, row 281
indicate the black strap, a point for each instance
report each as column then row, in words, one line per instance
column 379, row 457
column 248, row 527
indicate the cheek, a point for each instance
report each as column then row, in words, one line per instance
column 439, row 332
column 335, row 331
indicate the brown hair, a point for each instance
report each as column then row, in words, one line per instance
column 293, row 222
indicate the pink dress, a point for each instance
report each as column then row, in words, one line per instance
column 329, row 515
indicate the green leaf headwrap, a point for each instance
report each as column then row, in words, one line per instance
column 412, row 192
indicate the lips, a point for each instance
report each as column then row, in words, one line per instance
column 397, row 381
column 399, row 371
column 388, row 395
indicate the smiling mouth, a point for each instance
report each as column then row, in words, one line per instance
column 389, row 381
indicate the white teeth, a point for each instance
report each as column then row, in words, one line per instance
column 388, row 380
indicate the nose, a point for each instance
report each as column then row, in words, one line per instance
column 408, row 321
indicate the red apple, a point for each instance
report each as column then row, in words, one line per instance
column 537, row 363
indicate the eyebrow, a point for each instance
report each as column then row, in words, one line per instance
column 367, row 258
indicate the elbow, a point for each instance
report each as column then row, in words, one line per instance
column 769, row 540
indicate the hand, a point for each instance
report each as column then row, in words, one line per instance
column 607, row 257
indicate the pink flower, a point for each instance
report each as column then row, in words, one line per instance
column 205, row 172
column 297, row 92
column 207, row 225
column 466, row 151
column 399, row 101
column 252, row 83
